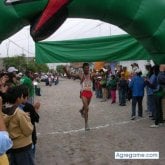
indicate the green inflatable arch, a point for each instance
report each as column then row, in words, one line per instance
column 142, row 19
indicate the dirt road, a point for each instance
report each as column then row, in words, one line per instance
column 63, row 141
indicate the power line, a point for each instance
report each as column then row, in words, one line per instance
column 92, row 28
column 79, row 32
column 67, row 29
column 21, row 47
column 73, row 33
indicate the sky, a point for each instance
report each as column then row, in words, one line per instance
column 22, row 43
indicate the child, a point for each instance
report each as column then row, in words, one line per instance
column 32, row 110
column 112, row 84
column 19, row 127
column 98, row 88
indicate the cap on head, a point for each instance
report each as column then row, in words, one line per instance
column 12, row 69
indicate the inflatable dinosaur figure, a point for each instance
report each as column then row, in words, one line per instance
column 143, row 19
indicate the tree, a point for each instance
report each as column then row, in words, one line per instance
column 37, row 67
column 18, row 61
column 59, row 69
column 22, row 64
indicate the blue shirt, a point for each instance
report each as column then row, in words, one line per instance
column 5, row 142
column 161, row 79
column 137, row 85
column 153, row 81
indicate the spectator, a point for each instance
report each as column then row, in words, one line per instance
column 137, row 85
column 19, row 127
column 103, row 83
column 27, row 80
column 151, row 82
column 159, row 93
column 12, row 69
column 122, row 87
column 5, row 141
column 112, row 85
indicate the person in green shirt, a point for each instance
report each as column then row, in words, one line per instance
column 27, row 80
column 112, row 85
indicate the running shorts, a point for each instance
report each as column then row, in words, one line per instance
column 87, row 94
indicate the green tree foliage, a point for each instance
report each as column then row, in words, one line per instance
column 18, row 62
column 22, row 63
column 59, row 69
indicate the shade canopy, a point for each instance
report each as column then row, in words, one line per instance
column 142, row 19
column 114, row 48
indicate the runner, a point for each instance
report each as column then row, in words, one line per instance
column 86, row 90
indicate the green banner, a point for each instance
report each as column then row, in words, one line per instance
column 114, row 48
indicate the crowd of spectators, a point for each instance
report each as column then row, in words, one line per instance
column 18, row 115
column 133, row 85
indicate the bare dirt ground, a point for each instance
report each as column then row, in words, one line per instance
column 63, row 141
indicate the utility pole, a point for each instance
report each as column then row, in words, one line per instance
column 7, row 48
column 28, row 46
column 110, row 32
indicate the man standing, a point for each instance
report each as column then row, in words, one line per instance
column 27, row 80
column 159, row 93
column 137, row 85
